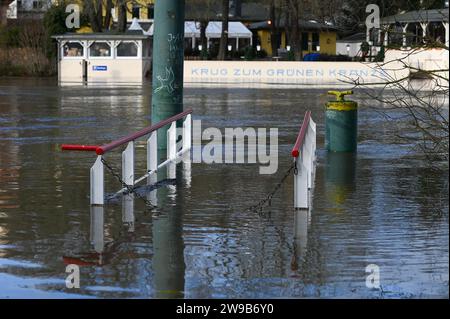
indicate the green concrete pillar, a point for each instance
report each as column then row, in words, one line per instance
column 168, row 60
column 341, row 123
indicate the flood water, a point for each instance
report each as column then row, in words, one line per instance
column 384, row 206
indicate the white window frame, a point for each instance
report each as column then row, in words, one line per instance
column 63, row 57
column 111, row 47
column 139, row 50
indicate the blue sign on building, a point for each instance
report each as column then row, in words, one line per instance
column 99, row 68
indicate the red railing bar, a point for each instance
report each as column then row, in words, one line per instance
column 301, row 134
column 85, row 148
column 107, row 147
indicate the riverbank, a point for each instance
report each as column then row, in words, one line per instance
column 25, row 62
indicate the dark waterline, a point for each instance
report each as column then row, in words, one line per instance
column 385, row 206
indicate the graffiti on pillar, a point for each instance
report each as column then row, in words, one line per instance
column 166, row 81
column 174, row 41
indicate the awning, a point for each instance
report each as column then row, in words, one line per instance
column 235, row 30
column 213, row 30
column 434, row 15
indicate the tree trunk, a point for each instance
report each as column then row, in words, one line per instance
column 108, row 16
column 4, row 4
column 295, row 32
column 224, row 36
column 274, row 34
column 90, row 9
column 99, row 15
column 203, row 39
column 287, row 29
column 122, row 17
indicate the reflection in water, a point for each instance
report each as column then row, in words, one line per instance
column 187, row 163
column 172, row 174
column 97, row 240
column 128, row 211
column 168, row 260
column 97, row 230
column 340, row 176
column 152, row 196
column 301, row 221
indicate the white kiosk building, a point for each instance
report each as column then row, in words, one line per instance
column 103, row 58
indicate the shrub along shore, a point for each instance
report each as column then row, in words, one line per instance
column 26, row 46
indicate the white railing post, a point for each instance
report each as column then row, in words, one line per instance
column 304, row 153
column 97, row 182
column 187, row 133
column 300, row 184
column 152, row 165
column 314, row 137
column 172, row 150
column 310, row 147
column 128, row 164
column 172, row 141
column 152, row 152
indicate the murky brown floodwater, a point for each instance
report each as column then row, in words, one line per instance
column 383, row 207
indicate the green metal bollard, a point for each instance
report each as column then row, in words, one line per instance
column 168, row 59
column 341, row 123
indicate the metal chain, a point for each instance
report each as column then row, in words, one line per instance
column 267, row 201
column 130, row 189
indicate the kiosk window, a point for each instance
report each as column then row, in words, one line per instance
column 100, row 49
column 73, row 49
column 127, row 49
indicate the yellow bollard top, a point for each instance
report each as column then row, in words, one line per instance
column 341, row 104
column 340, row 94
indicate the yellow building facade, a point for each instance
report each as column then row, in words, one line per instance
column 316, row 37
column 327, row 41
column 143, row 10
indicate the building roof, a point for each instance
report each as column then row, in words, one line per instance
column 434, row 15
column 304, row 25
column 357, row 37
column 102, row 36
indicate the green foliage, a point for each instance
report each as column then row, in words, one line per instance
column 8, row 69
column 189, row 51
column 9, row 37
column 380, row 55
column 291, row 55
column 250, row 53
column 204, row 54
column 365, row 47
column 213, row 51
column 394, row 46
column 262, row 54
column 54, row 24
column 55, row 20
